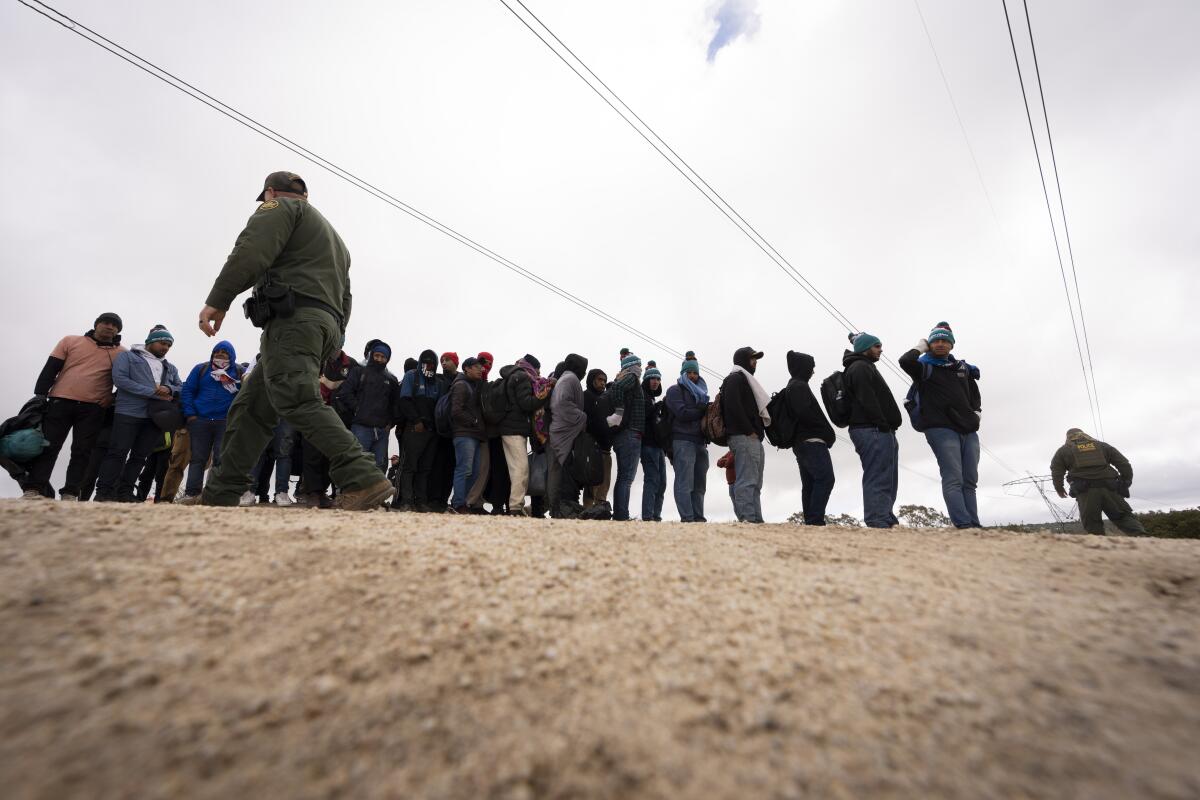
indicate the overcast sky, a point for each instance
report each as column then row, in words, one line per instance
column 825, row 123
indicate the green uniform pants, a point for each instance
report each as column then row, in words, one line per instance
column 1094, row 501
column 286, row 384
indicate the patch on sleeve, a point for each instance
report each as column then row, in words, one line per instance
column 267, row 206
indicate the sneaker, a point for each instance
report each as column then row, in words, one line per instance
column 519, row 512
column 67, row 497
column 458, row 510
column 283, row 499
column 189, row 500
column 32, row 494
column 366, row 499
column 247, row 499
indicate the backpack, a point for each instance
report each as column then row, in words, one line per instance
column 836, row 399
column 912, row 400
column 664, row 422
column 601, row 511
column 493, row 398
column 782, row 430
column 713, row 424
column 24, row 445
column 441, row 416
column 585, row 465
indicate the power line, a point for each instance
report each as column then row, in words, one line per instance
column 1049, row 210
column 686, row 170
column 1062, row 207
column 263, row 130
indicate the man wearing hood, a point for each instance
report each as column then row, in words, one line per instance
column 687, row 400
column 744, row 409
column 814, row 437
column 441, row 476
column 77, row 382
column 419, row 392
column 1099, row 477
column 567, row 421
column 597, row 407
column 874, row 420
column 526, row 391
column 140, row 375
column 946, row 406
column 207, row 395
column 653, row 457
column 466, row 419
column 369, row 396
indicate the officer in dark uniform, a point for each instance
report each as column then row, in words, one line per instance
column 300, row 271
column 1099, row 477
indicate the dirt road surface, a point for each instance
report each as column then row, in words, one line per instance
column 168, row 652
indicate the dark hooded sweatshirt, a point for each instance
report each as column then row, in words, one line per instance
column 518, row 390
column 419, row 393
column 871, row 401
column 597, row 409
column 649, row 437
column 949, row 394
column 737, row 402
column 810, row 419
column 370, row 395
column 466, row 415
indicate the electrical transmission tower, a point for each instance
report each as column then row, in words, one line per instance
column 1062, row 516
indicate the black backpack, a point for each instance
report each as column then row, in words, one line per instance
column 493, row 398
column 664, row 421
column 782, row 430
column 585, row 465
column 441, row 417
column 836, row 399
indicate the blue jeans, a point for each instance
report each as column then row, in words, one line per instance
column 374, row 441
column 205, row 436
column 816, row 479
column 466, row 467
column 748, row 459
column 879, row 453
column 627, row 447
column 691, row 477
column 654, row 482
column 958, row 460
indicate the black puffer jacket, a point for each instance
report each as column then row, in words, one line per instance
column 597, row 406
column 370, row 396
column 871, row 401
column 466, row 415
column 949, row 394
column 653, row 411
column 518, row 390
column 810, row 419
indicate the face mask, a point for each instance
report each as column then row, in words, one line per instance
column 220, row 363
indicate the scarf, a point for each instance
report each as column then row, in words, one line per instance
column 949, row 361
column 227, row 381
column 699, row 389
column 760, row 396
column 634, row 370
column 154, row 362
column 541, row 386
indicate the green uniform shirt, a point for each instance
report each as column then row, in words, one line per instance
column 1064, row 462
column 302, row 250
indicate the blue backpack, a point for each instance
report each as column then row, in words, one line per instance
column 441, row 416
column 912, row 400
column 23, row 446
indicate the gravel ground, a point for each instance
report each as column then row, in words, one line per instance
column 188, row 652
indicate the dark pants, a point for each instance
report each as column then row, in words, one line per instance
column 816, row 479
column 205, row 435
column 879, row 453
column 315, row 469
column 441, row 475
column 561, row 490
column 132, row 440
column 85, row 420
column 1093, row 502
column 654, row 482
column 416, row 463
column 153, row 475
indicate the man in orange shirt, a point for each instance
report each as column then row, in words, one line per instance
column 77, row 382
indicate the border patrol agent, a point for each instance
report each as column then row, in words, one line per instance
column 299, row 269
column 1100, row 478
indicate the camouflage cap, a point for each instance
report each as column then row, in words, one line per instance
column 282, row 181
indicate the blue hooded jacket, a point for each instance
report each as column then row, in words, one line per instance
column 205, row 397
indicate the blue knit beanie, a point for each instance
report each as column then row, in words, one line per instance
column 159, row 333
column 630, row 360
column 652, row 371
column 382, row 348
column 862, row 342
column 941, row 331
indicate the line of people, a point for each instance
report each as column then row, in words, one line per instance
column 466, row 443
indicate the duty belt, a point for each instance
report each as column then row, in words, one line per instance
column 303, row 301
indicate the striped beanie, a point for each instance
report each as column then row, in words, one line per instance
column 941, row 331
column 652, row 371
column 690, row 364
column 159, row 333
column 630, row 360
column 862, row 342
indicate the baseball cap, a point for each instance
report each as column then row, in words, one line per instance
column 281, row 181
